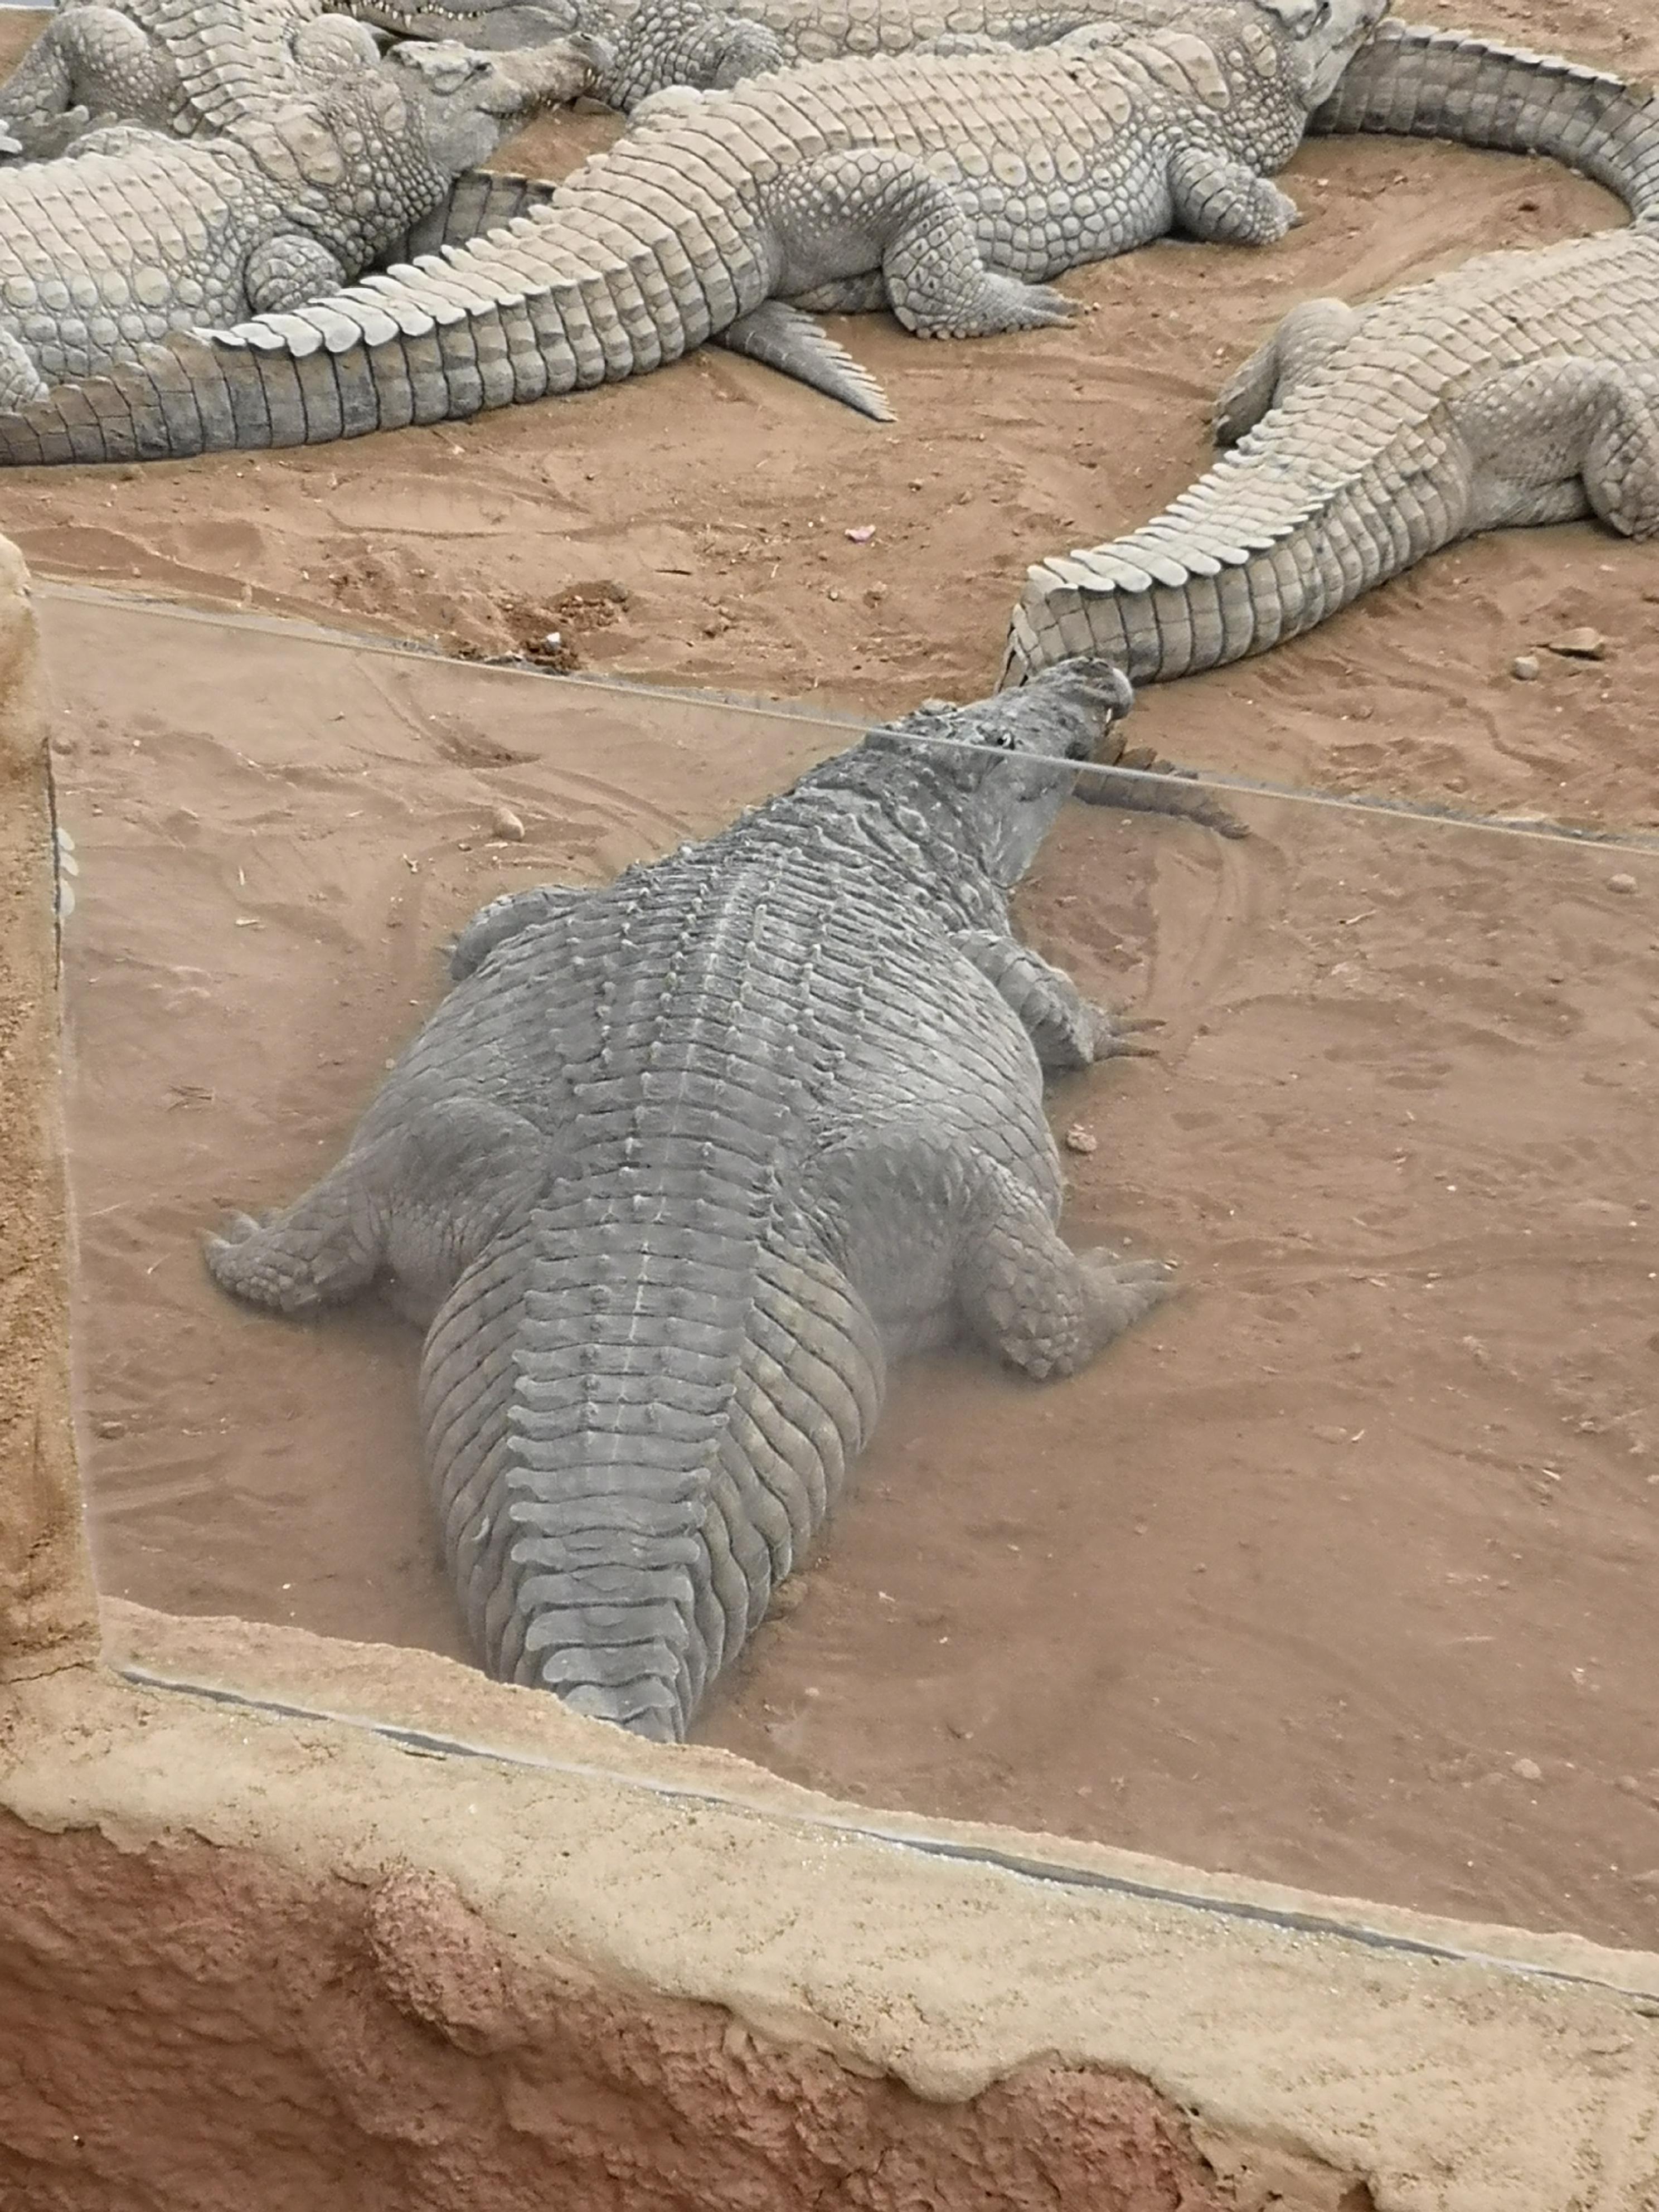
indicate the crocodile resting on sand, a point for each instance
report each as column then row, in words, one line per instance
column 1407, row 79
column 1521, row 388
column 813, row 184
column 132, row 235
column 193, row 68
column 183, row 67
column 679, row 1165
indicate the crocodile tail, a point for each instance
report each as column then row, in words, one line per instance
column 633, row 1433
column 1250, row 555
column 562, row 299
column 479, row 200
column 1410, row 81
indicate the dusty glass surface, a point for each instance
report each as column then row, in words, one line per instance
column 1337, row 1569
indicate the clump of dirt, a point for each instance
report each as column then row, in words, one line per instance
column 550, row 635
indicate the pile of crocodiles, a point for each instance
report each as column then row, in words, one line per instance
column 677, row 1166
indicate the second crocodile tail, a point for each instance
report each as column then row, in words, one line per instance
column 1410, row 81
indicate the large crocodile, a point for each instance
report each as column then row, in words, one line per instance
column 180, row 66
column 1522, row 387
column 194, row 67
column 955, row 181
column 1407, row 79
column 677, row 1166
column 132, row 235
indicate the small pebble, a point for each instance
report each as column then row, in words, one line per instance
column 863, row 534
column 553, row 640
column 505, row 824
column 1580, row 645
column 1527, row 1768
column 1079, row 1140
column 1524, row 668
column 1621, row 883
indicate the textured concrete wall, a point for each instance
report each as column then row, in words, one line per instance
column 47, row 1615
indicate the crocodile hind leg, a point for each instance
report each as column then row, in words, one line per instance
column 417, row 1203
column 678, row 43
column 1303, row 341
column 1550, row 442
column 933, row 1230
column 844, row 295
column 865, row 206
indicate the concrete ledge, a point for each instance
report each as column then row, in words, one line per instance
column 1282, row 2066
column 47, row 1609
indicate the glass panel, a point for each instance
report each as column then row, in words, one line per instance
column 1337, row 1569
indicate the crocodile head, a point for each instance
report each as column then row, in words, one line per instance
column 1325, row 35
column 490, row 24
column 472, row 100
column 1007, row 762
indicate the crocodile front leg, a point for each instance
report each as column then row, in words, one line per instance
column 1067, row 1031
column 416, row 1203
column 934, row 1231
column 20, row 379
column 88, row 61
column 504, row 917
column 834, row 217
column 288, row 271
column 678, row 43
column 1224, row 202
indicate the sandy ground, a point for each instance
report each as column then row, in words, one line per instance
column 718, row 496
column 1341, row 1572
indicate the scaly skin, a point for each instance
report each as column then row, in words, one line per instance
column 1521, row 388
column 943, row 185
column 191, row 68
column 133, row 235
column 1407, row 81
column 678, row 1166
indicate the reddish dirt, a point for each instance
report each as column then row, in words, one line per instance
column 1341, row 1571
column 333, row 2043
